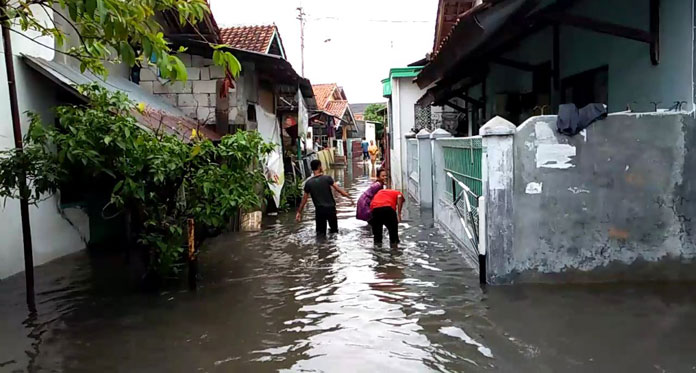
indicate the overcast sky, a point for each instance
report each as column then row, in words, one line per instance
column 346, row 42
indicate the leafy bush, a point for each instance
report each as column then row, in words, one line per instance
column 160, row 180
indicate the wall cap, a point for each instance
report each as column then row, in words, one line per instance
column 439, row 134
column 423, row 134
column 498, row 126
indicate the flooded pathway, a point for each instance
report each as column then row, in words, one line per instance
column 279, row 300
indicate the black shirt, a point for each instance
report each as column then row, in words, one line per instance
column 319, row 187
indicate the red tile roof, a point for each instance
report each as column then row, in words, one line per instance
column 337, row 108
column 251, row 38
column 323, row 93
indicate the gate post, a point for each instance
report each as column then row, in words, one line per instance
column 437, row 167
column 425, row 169
column 498, row 179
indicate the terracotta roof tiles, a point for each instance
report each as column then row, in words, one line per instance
column 251, row 38
column 323, row 93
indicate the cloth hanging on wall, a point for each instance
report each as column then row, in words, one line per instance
column 572, row 121
column 269, row 129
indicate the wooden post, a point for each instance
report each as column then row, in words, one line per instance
column 192, row 259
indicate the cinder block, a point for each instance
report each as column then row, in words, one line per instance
column 148, row 74
column 194, row 73
column 216, row 72
column 205, row 73
column 197, row 61
column 185, row 58
column 169, row 98
column 173, row 87
column 207, row 62
column 189, row 111
column 206, row 115
column 204, row 86
column 148, row 87
column 193, row 100
column 233, row 97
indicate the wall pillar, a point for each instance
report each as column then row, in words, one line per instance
column 498, row 178
column 425, row 169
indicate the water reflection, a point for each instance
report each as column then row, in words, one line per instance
column 282, row 300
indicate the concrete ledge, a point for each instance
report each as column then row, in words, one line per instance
column 423, row 134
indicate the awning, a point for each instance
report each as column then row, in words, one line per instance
column 474, row 29
column 158, row 115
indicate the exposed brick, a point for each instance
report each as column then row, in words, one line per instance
column 147, row 87
column 193, row 100
column 148, row 74
column 216, row 72
column 205, row 73
column 169, row 98
column 189, row 111
column 172, row 87
column 197, row 61
column 194, row 73
column 185, row 58
column 204, row 86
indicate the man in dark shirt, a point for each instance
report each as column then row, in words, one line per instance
column 319, row 187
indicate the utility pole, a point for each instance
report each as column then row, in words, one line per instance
column 301, row 17
column 17, row 129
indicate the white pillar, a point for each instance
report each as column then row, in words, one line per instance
column 425, row 169
column 498, row 179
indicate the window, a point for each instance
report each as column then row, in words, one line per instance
column 588, row 87
column 251, row 113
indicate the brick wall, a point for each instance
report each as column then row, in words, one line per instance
column 196, row 97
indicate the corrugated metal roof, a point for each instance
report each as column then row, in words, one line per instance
column 158, row 115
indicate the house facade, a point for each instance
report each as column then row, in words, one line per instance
column 606, row 204
column 403, row 93
column 333, row 121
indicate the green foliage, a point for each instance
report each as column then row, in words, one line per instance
column 290, row 195
column 372, row 115
column 159, row 179
column 117, row 30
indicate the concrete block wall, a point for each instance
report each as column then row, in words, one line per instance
column 197, row 96
column 615, row 202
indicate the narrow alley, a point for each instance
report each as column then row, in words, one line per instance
column 281, row 300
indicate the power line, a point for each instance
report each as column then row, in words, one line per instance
column 369, row 20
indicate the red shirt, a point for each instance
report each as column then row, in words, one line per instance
column 385, row 198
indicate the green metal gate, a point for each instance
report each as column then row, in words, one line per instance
column 464, row 161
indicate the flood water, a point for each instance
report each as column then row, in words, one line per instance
column 279, row 300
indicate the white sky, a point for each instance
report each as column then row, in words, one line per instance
column 360, row 51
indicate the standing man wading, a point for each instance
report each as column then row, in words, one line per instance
column 319, row 187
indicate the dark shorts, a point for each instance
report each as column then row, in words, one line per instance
column 324, row 215
column 366, row 155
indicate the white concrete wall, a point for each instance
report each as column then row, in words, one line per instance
column 52, row 235
column 632, row 77
column 405, row 93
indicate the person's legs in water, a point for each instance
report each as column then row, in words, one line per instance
column 392, row 223
column 333, row 220
column 378, row 220
column 321, row 219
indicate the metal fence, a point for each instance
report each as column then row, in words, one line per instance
column 413, row 159
column 464, row 161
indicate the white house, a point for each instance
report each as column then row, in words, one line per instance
column 402, row 93
column 53, row 235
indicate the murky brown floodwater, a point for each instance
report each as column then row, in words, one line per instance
column 281, row 300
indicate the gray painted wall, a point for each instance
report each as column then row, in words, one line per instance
column 621, row 193
column 632, row 77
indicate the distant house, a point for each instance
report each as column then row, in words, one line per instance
column 333, row 119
